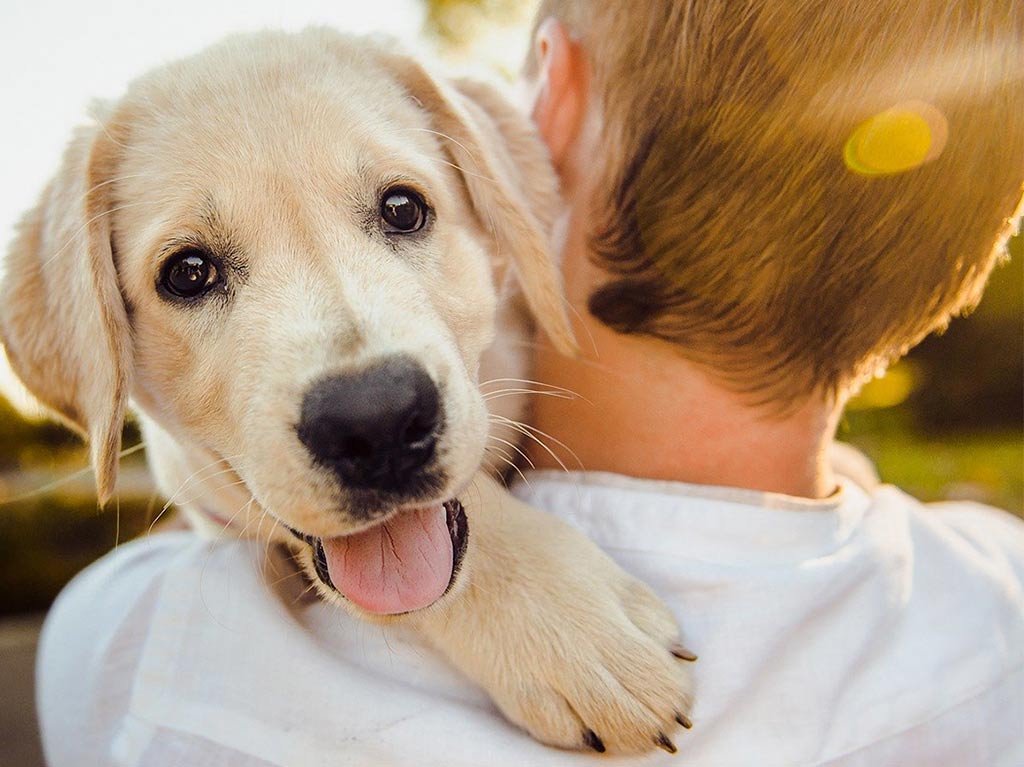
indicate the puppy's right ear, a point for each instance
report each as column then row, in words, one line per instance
column 499, row 159
column 62, row 318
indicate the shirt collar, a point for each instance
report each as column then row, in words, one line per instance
column 711, row 523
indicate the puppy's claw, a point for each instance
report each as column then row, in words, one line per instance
column 684, row 720
column 592, row 741
column 682, row 653
column 665, row 743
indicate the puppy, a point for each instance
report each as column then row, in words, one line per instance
column 287, row 252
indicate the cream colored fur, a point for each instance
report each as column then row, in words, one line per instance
column 274, row 148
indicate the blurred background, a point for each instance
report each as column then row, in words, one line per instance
column 945, row 423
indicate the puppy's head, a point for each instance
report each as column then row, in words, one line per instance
column 286, row 250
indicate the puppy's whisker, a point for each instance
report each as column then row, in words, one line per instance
column 117, row 521
column 529, row 381
column 244, row 532
column 500, row 452
column 580, row 322
column 508, row 460
column 132, row 450
column 205, row 467
column 244, row 507
column 515, row 447
column 302, row 594
column 449, row 138
column 285, row 578
column 175, row 498
column 270, row 541
column 105, row 129
column 186, row 482
column 204, row 492
column 260, row 526
column 514, row 427
column 180, row 503
column 525, row 390
column 157, row 518
column 551, row 389
column 109, row 181
column 97, row 217
column 504, row 457
column 532, row 432
column 501, row 393
column 462, row 170
column 209, row 554
column 154, row 499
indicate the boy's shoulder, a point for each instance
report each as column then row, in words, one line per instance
column 987, row 540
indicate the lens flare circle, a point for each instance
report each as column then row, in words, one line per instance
column 900, row 139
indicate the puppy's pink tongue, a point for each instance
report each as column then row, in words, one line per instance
column 402, row 565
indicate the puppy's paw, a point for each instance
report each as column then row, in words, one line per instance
column 613, row 677
column 570, row 647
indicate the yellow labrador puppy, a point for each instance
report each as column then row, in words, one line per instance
column 287, row 252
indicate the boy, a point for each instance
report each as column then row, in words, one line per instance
column 766, row 203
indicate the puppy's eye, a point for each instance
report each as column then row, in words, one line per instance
column 188, row 273
column 403, row 211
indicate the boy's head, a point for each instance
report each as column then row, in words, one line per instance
column 795, row 193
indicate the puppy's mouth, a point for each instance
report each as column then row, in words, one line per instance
column 403, row 564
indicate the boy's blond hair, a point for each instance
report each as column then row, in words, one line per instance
column 737, row 221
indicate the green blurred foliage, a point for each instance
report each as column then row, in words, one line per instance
column 973, row 374
column 453, row 24
column 47, row 539
column 948, row 421
column 53, row 528
column 22, row 442
column 984, row 466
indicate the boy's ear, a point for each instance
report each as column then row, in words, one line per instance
column 559, row 101
column 62, row 318
column 511, row 185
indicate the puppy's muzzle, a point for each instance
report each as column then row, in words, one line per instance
column 375, row 429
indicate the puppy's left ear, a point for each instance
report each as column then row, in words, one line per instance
column 62, row 319
column 510, row 181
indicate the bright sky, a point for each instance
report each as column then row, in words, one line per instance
column 58, row 55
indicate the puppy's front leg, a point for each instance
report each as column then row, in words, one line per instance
column 570, row 647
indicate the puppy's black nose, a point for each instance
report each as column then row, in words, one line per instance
column 377, row 428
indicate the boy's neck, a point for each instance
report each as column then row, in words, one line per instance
column 643, row 410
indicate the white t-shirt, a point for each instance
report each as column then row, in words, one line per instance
column 866, row 629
